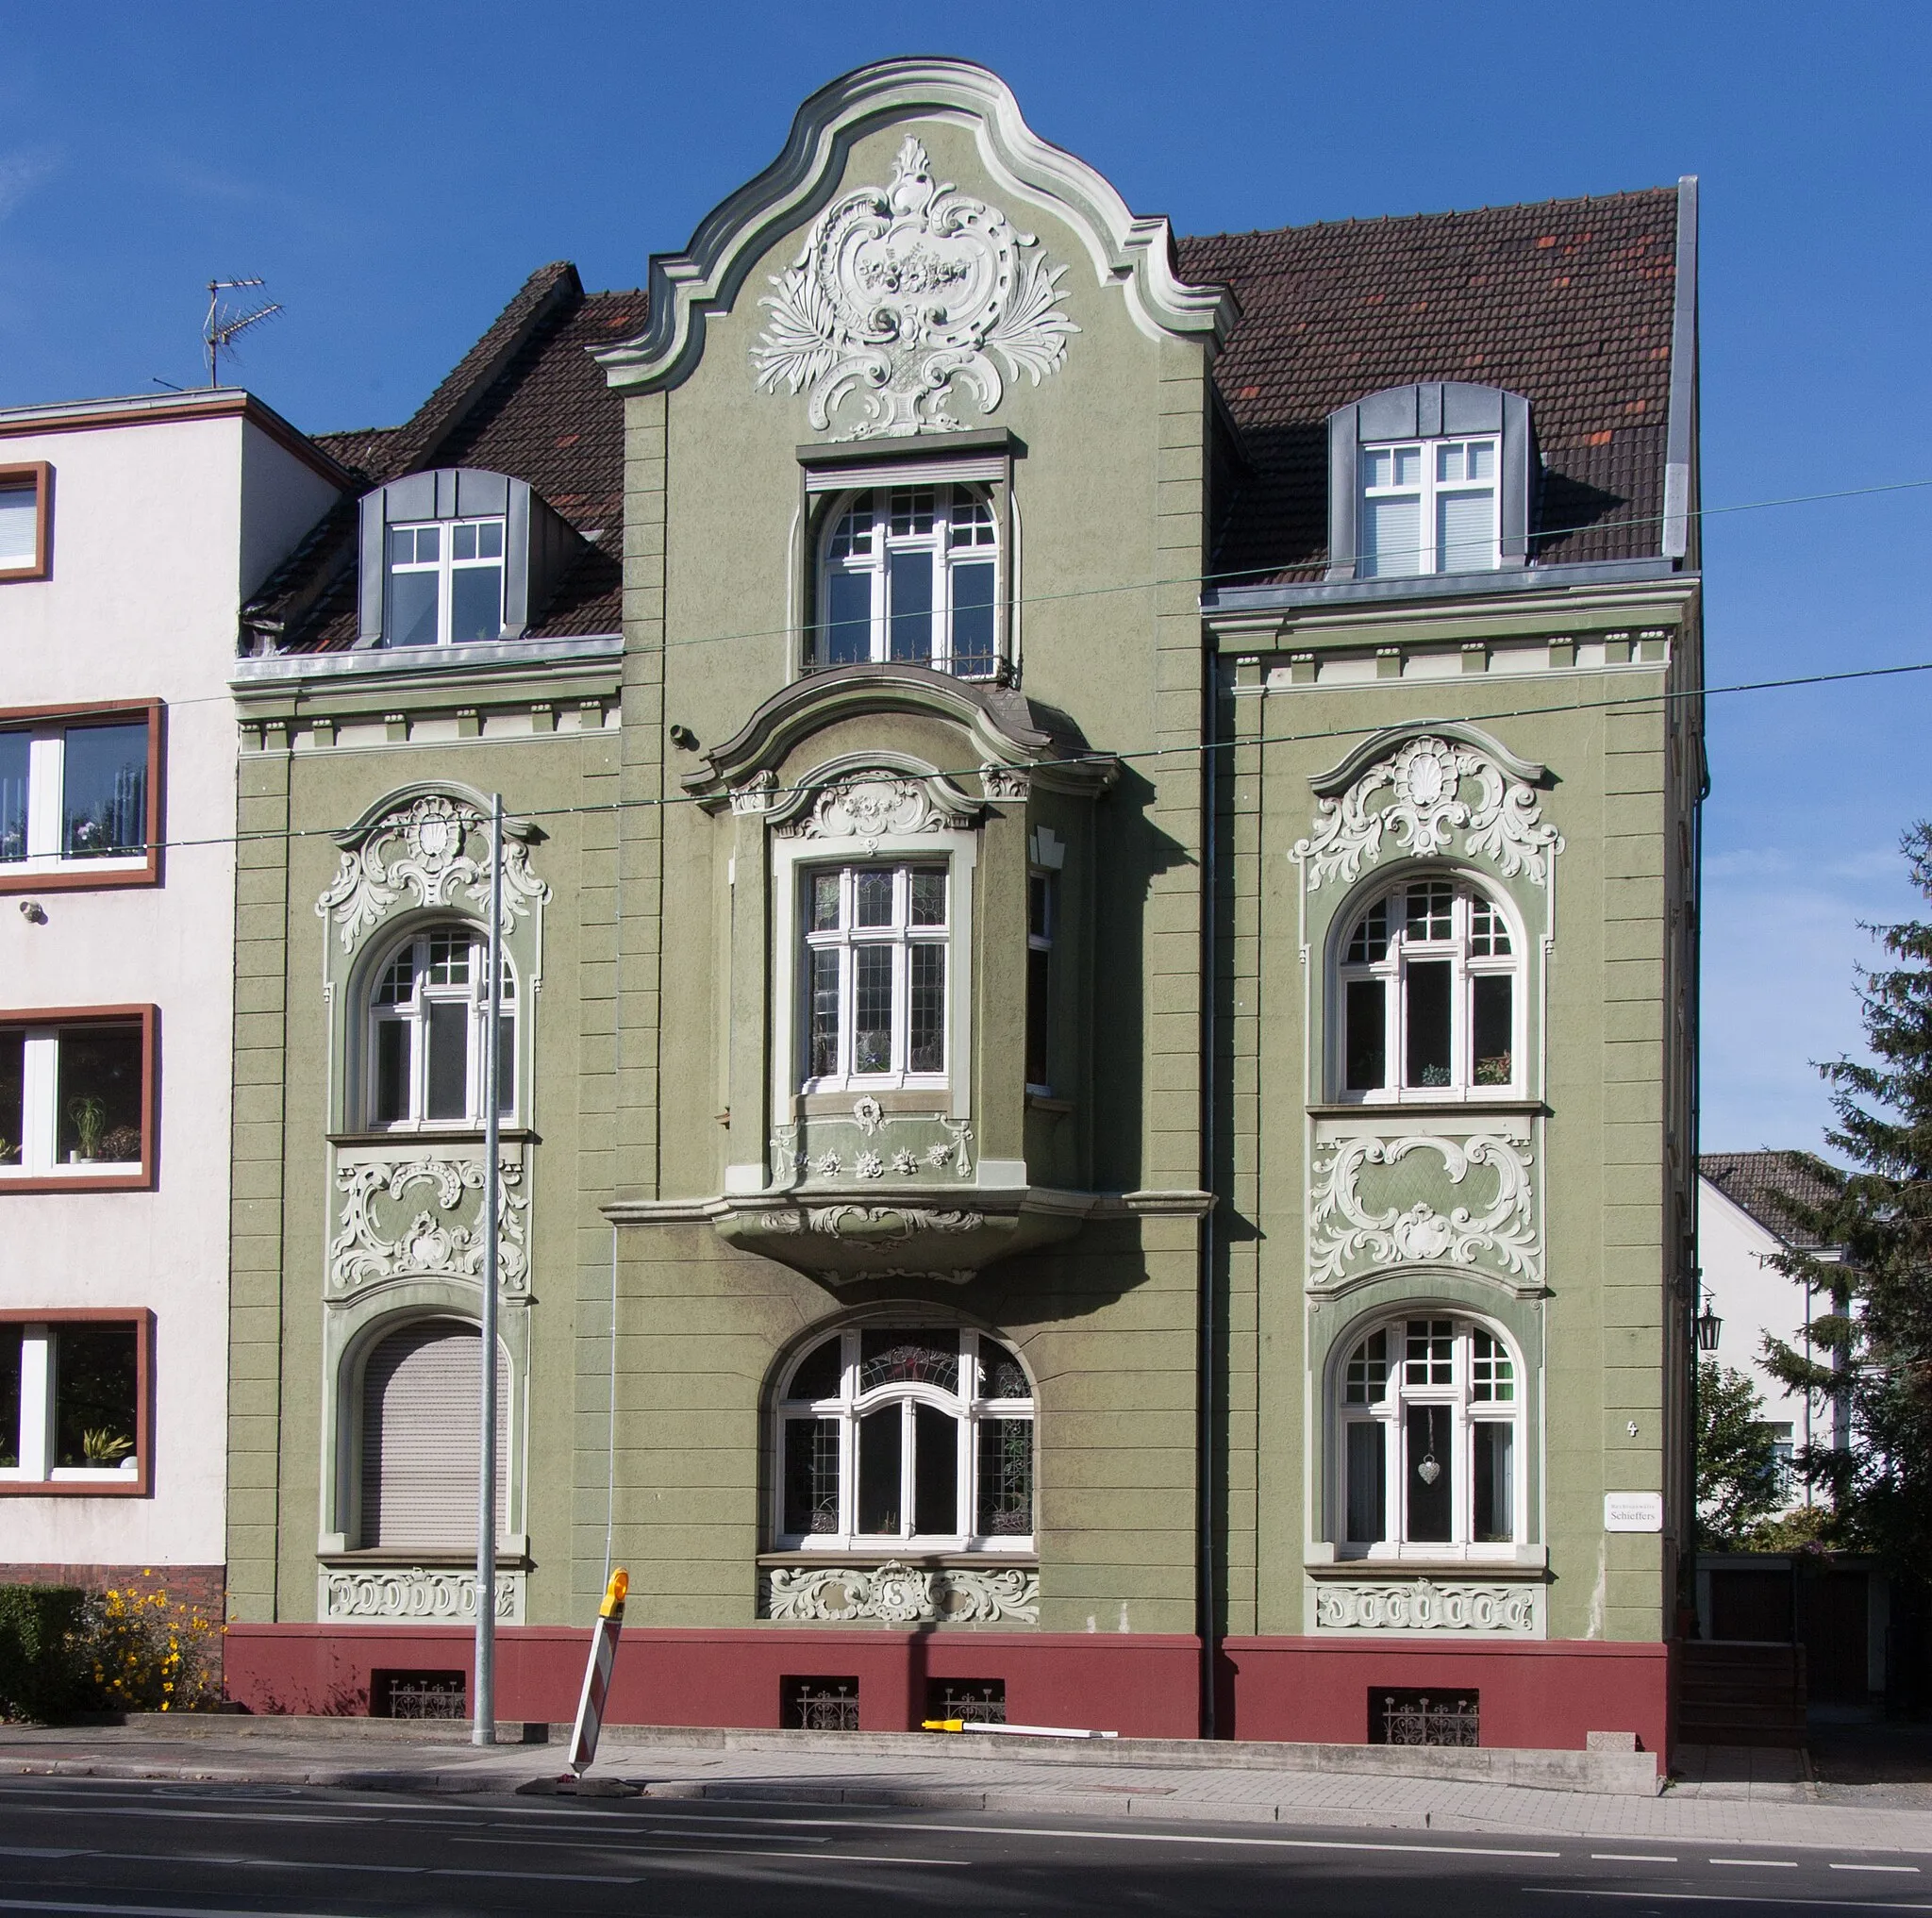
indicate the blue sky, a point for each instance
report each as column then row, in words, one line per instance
column 395, row 170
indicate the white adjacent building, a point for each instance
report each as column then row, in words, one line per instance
column 1740, row 1232
column 131, row 533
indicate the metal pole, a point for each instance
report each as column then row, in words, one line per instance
column 483, row 1731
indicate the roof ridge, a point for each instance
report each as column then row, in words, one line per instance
column 549, row 289
column 1437, row 213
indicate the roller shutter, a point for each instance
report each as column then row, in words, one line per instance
column 419, row 1439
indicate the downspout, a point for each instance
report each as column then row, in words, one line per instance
column 1682, row 541
column 1207, row 1453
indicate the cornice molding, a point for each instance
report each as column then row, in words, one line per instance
column 997, row 722
column 1386, row 742
column 1135, row 252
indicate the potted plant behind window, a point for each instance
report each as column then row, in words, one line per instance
column 120, row 1146
column 102, row 1446
column 90, row 1116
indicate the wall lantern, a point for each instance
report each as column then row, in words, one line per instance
column 1707, row 1325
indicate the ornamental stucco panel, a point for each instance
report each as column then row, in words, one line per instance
column 902, row 1594
column 905, row 300
column 1459, row 1608
column 1447, row 1194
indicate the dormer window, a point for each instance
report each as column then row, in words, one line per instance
column 1429, row 507
column 457, row 558
column 445, row 583
column 910, row 575
column 1433, row 478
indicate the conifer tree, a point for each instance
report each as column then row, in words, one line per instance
column 1872, row 1352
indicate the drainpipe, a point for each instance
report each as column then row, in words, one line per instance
column 1205, row 1548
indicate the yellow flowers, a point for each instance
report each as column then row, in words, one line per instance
column 145, row 1652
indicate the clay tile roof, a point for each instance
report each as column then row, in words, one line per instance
column 1568, row 302
column 1749, row 1179
column 527, row 400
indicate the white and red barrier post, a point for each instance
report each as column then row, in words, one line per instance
column 583, row 1738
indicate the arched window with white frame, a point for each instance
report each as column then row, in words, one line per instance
column 910, row 575
column 1429, row 993
column 1428, row 1420
column 426, row 1041
column 905, row 1436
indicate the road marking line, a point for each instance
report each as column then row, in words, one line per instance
column 1636, row 1857
column 1733, row 1898
column 1788, row 1864
column 1913, row 1869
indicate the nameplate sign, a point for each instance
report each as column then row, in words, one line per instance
column 1633, row 1511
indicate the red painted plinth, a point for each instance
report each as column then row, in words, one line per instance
column 1137, row 1684
column 1544, row 1696
column 1306, row 1691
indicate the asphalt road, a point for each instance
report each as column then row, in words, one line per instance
column 89, row 1847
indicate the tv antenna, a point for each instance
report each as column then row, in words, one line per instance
column 225, row 324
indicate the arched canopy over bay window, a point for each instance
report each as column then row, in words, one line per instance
column 914, row 1437
column 1428, row 1412
column 1429, row 1000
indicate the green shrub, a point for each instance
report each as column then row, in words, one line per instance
column 38, row 1674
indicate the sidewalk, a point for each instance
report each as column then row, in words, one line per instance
column 1728, row 1796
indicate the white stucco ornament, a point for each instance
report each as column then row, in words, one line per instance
column 1416, row 801
column 902, row 297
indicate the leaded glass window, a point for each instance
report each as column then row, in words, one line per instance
column 908, row 1433
column 874, row 975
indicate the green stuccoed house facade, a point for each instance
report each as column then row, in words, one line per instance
column 1095, row 1080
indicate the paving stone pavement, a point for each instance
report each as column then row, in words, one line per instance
column 1723, row 1797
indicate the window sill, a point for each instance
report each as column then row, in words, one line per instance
column 1476, row 1101
column 512, row 1555
column 1020, row 1557
column 78, row 876
column 79, row 1483
column 1522, row 1562
column 126, row 1178
column 437, row 1135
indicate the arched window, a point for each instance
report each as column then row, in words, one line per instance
column 428, row 1031
column 1428, row 1410
column 916, row 1435
column 419, row 1429
column 1427, row 984
column 910, row 573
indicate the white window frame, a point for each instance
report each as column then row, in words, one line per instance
column 472, row 994
column 1467, row 1412
column 957, row 852
column 1466, row 967
column 873, row 560
column 899, row 937
column 40, row 1105
column 444, row 566
column 39, row 1409
column 46, row 799
column 967, row 1406
column 1429, row 489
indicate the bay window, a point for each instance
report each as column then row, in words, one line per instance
column 1427, row 1415
column 910, row 573
column 78, row 793
column 75, row 1098
column 427, row 1040
column 1427, row 995
column 873, row 974
column 897, row 1436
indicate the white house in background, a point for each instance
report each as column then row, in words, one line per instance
column 1739, row 1232
column 131, row 531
